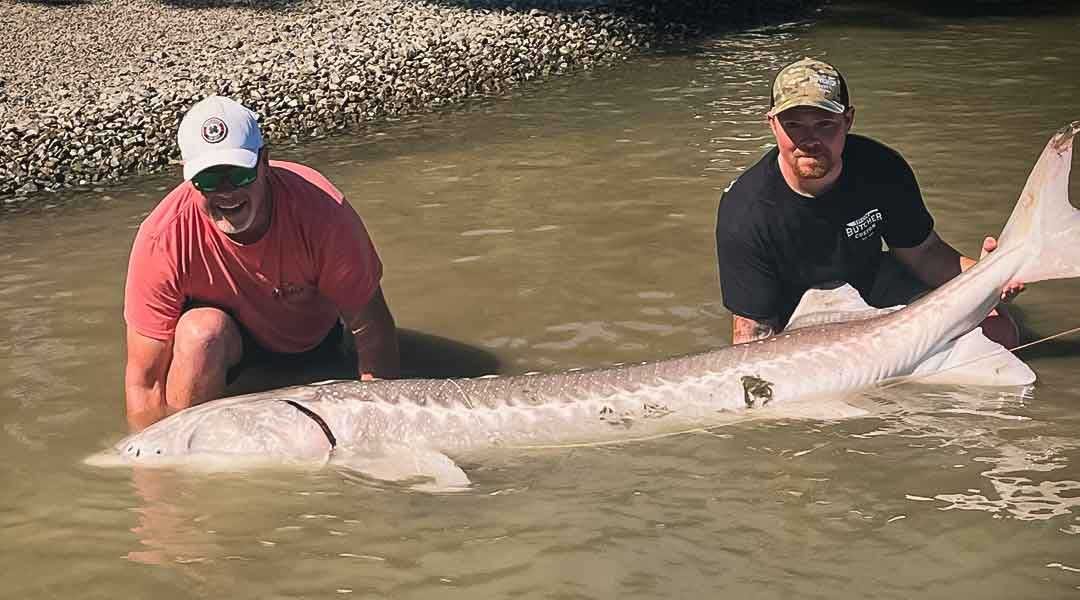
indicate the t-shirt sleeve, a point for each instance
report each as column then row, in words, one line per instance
column 909, row 222
column 748, row 279
column 350, row 267
column 153, row 296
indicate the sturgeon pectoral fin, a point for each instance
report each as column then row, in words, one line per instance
column 401, row 463
column 973, row 359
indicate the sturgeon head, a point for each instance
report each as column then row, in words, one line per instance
column 242, row 431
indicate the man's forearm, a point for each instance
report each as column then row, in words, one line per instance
column 375, row 335
column 747, row 330
column 941, row 265
column 933, row 261
column 145, row 375
column 377, row 351
column 376, row 342
column 145, row 406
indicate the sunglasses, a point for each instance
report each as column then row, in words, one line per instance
column 211, row 180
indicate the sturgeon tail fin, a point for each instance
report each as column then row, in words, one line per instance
column 1043, row 219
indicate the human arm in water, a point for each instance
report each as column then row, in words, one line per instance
column 375, row 336
column 144, row 379
column 190, row 367
column 935, row 262
column 745, row 329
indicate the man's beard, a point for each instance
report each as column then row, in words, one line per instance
column 233, row 224
column 813, row 167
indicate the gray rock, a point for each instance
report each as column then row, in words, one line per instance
column 114, row 94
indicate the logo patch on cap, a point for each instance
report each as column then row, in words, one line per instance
column 827, row 83
column 214, row 130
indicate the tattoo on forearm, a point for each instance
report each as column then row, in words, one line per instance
column 762, row 330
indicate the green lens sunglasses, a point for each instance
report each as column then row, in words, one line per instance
column 210, row 180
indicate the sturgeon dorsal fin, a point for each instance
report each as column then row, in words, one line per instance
column 834, row 305
column 972, row 359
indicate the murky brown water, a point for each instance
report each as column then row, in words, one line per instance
column 571, row 225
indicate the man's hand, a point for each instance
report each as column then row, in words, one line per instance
column 1011, row 289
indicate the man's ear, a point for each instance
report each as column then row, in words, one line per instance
column 771, row 121
column 850, row 114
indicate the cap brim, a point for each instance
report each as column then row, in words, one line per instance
column 829, row 105
column 237, row 157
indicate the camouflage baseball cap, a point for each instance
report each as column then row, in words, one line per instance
column 809, row 82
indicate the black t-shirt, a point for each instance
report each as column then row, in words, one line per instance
column 774, row 244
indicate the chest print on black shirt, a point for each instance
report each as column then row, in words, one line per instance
column 865, row 226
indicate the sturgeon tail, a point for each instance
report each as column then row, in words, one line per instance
column 1044, row 222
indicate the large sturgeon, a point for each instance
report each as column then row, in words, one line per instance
column 405, row 428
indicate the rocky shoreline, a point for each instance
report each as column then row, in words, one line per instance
column 93, row 91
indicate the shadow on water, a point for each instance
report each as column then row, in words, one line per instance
column 1063, row 347
column 423, row 356
column 683, row 16
column 915, row 14
column 989, row 8
column 1060, row 348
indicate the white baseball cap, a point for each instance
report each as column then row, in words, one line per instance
column 218, row 131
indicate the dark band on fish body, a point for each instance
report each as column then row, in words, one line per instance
column 315, row 417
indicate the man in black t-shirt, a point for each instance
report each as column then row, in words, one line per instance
column 814, row 211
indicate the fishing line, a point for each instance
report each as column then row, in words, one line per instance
column 1046, row 339
column 705, row 430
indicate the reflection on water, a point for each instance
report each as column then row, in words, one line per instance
column 571, row 225
column 988, row 427
column 1021, row 497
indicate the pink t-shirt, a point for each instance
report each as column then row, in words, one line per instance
column 287, row 289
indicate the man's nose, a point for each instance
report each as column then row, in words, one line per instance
column 808, row 139
column 226, row 186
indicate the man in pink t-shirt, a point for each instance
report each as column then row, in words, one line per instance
column 248, row 260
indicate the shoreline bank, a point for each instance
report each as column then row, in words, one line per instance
column 93, row 91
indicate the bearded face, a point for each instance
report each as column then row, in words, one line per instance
column 239, row 211
column 811, row 141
